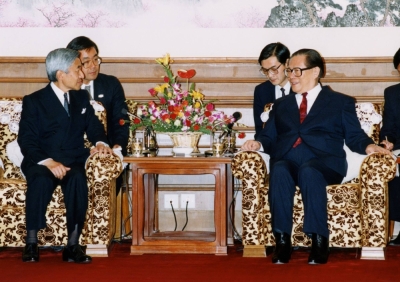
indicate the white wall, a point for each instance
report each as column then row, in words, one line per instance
column 205, row 42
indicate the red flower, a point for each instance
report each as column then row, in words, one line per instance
column 173, row 116
column 136, row 121
column 121, row 122
column 186, row 73
column 210, row 107
column 166, row 79
column 165, row 116
column 152, row 92
column 196, row 127
column 163, row 101
column 170, row 108
column 185, row 103
column 207, row 113
column 241, row 135
column 188, row 123
column 209, row 127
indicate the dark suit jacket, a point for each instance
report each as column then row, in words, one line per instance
column 391, row 116
column 46, row 131
column 331, row 120
column 113, row 100
column 264, row 93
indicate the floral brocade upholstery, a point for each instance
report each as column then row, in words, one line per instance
column 132, row 106
column 101, row 173
column 357, row 210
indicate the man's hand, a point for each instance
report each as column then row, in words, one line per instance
column 58, row 169
column 101, row 149
column 388, row 145
column 372, row 148
column 251, row 145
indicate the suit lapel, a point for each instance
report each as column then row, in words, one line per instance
column 53, row 106
column 320, row 104
column 292, row 109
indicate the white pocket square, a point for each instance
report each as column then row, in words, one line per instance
column 101, row 95
column 83, row 111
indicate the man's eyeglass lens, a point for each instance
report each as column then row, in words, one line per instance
column 273, row 70
column 296, row 71
column 95, row 62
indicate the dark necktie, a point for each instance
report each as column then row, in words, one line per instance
column 88, row 90
column 66, row 104
column 283, row 92
column 303, row 114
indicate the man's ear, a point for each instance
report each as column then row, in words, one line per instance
column 59, row 74
column 316, row 72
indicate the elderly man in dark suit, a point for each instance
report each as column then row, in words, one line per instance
column 304, row 136
column 390, row 136
column 272, row 60
column 51, row 136
column 105, row 89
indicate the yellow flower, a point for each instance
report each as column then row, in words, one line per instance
column 165, row 61
column 197, row 105
column 197, row 95
column 169, row 94
column 181, row 114
column 160, row 88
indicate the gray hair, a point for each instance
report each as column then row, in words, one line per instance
column 59, row 59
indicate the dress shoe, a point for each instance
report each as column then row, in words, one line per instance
column 319, row 250
column 30, row 253
column 76, row 253
column 283, row 248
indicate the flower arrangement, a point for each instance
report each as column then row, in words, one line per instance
column 177, row 109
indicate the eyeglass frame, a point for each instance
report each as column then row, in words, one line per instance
column 96, row 62
column 291, row 71
column 273, row 70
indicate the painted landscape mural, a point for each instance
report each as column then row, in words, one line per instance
column 199, row 13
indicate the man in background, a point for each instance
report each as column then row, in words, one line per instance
column 105, row 89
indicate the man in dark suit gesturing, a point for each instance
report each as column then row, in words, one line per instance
column 51, row 136
column 105, row 89
column 304, row 137
column 390, row 136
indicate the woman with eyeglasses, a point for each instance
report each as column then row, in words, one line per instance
column 272, row 61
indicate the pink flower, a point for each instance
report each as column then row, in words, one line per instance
column 210, row 107
column 152, row 92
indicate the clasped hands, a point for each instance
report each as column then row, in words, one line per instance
column 59, row 170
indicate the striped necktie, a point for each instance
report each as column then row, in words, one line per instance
column 66, row 104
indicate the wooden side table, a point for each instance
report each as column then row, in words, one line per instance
column 146, row 238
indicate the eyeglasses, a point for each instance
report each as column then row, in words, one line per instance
column 95, row 61
column 270, row 71
column 296, row 71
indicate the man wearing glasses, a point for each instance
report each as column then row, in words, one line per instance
column 272, row 61
column 304, row 137
column 105, row 89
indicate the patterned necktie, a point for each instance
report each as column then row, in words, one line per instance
column 303, row 114
column 283, row 92
column 66, row 104
column 88, row 90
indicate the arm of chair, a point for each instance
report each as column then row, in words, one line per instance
column 101, row 173
column 375, row 173
column 251, row 169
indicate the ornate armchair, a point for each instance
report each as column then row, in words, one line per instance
column 101, row 174
column 357, row 208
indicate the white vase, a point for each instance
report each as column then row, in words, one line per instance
column 185, row 142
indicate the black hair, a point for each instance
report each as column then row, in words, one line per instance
column 280, row 51
column 396, row 59
column 313, row 59
column 82, row 43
